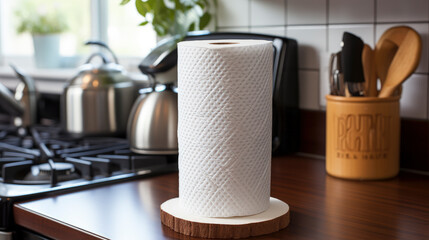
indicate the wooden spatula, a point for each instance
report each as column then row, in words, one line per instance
column 369, row 67
column 406, row 59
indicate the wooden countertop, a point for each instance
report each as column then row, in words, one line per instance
column 322, row 207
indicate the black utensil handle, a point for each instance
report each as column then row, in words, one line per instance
column 351, row 61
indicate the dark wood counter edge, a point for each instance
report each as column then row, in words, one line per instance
column 225, row 231
column 55, row 229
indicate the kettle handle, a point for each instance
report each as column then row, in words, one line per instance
column 97, row 54
column 102, row 44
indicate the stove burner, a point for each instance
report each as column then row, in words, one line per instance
column 46, row 155
column 44, row 161
column 21, row 131
column 49, row 173
column 60, row 167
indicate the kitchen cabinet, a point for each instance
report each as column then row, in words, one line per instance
column 322, row 207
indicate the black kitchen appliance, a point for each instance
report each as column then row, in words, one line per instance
column 163, row 59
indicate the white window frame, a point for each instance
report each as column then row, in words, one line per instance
column 99, row 25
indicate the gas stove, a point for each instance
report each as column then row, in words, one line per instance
column 42, row 161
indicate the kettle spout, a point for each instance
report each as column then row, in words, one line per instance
column 27, row 80
column 9, row 103
column 24, row 103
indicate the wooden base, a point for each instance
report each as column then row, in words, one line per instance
column 272, row 220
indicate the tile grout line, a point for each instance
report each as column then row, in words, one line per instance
column 327, row 26
column 286, row 15
column 323, row 24
column 375, row 23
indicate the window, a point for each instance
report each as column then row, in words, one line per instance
column 103, row 20
column 125, row 37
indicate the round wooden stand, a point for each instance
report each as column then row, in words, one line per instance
column 272, row 220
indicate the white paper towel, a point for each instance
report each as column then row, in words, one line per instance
column 225, row 124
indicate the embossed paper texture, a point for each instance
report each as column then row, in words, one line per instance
column 225, row 122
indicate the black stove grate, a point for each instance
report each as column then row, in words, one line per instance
column 43, row 161
column 33, row 158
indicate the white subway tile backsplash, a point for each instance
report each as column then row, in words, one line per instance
column 306, row 12
column 233, row 13
column 351, row 11
column 402, row 10
column 318, row 26
column 267, row 12
column 308, row 89
column 278, row 31
column 414, row 100
column 311, row 41
column 335, row 33
column 423, row 30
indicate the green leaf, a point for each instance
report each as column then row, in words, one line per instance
column 143, row 23
column 179, row 5
column 192, row 17
column 174, row 16
column 124, row 2
column 205, row 20
column 151, row 3
column 40, row 23
column 148, row 6
column 191, row 27
column 141, row 8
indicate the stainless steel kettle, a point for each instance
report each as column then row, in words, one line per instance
column 152, row 125
column 23, row 105
column 98, row 100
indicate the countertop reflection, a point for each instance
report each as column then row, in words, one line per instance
column 322, row 207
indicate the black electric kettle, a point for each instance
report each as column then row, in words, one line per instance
column 161, row 64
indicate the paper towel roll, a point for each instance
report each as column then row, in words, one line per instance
column 225, row 125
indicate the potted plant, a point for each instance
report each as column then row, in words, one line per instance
column 45, row 28
column 174, row 17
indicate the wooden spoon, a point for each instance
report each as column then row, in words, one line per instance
column 385, row 50
column 405, row 61
column 369, row 67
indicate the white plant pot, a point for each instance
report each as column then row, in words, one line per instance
column 47, row 50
